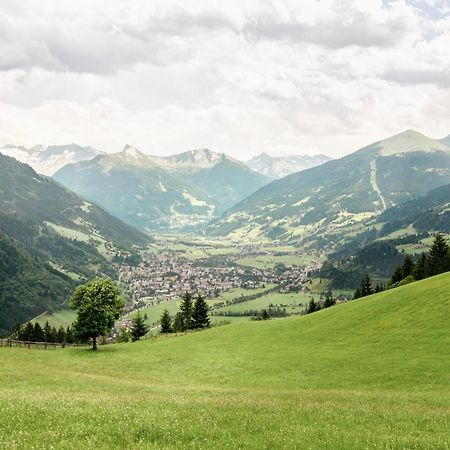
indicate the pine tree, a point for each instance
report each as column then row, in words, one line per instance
column 186, row 307
column 329, row 301
column 61, row 335
column 265, row 315
column 28, row 332
column 438, row 260
column 166, row 322
column 70, row 338
column 123, row 335
column 420, row 267
column 408, row 266
column 138, row 327
column 366, row 286
column 16, row 332
column 178, row 322
column 48, row 332
column 357, row 294
column 312, row 307
column 397, row 276
column 38, row 333
column 200, row 317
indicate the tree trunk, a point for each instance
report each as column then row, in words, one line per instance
column 94, row 342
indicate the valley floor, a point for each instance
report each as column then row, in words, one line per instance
column 372, row 373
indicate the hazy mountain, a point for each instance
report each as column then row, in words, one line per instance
column 446, row 140
column 50, row 239
column 150, row 192
column 280, row 166
column 48, row 159
column 322, row 204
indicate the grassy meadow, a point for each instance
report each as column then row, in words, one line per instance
column 372, row 373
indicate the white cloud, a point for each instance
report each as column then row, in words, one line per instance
column 312, row 76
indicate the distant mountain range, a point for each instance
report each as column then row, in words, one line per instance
column 280, row 166
column 334, row 201
column 50, row 239
column 48, row 159
column 162, row 193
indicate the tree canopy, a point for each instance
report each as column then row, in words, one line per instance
column 98, row 305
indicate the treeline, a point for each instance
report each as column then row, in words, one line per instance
column 427, row 265
column 37, row 333
column 193, row 315
column 314, row 306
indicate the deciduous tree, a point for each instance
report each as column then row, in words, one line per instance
column 98, row 305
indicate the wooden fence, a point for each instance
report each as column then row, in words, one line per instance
column 44, row 345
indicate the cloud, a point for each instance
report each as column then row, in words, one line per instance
column 276, row 75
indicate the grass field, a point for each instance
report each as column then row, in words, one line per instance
column 268, row 261
column 63, row 317
column 372, row 373
column 293, row 301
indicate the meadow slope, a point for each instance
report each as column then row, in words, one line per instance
column 372, row 373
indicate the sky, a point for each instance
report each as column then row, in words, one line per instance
column 241, row 77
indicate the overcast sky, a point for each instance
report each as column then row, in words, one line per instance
column 309, row 76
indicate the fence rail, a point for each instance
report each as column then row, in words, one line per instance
column 44, row 345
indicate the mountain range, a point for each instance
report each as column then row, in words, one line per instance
column 162, row 193
column 325, row 204
column 48, row 159
column 280, row 166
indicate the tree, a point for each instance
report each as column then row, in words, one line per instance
column 265, row 315
column 178, row 322
column 123, row 335
column 200, row 317
column 166, row 322
column 70, row 338
column 186, row 307
column 329, row 301
column 16, row 332
column 48, row 335
column 38, row 333
column 61, row 335
column 408, row 266
column 138, row 327
column 420, row 267
column 312, row 307
column 27, row 332
column 438, row 260
column 397, row 276
column 98, row 305
column 366, row 286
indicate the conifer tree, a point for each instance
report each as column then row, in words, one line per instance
column 138, row 327
column 186, row 307
column 408, row 266
column 178, row 322
column 265, row 315
column 329, row 301
column 366, row 286
column 397, row 276
column 28, row 332
column 16, row 332
column 123, row 335
column 61, row 335
column 420, row 267
column 70, row 338
column 38, row 333
column 200, row 317
column 312, row 307
column 47, row 332
column 166, row 322
column 438, row 260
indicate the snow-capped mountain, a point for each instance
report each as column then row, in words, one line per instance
column 49, row 159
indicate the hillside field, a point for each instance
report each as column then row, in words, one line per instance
column 372, row 373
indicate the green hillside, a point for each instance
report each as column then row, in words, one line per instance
column 372, row 373
column 326, row 203
column 153, row 193
column 59, row 239
column 28, row 285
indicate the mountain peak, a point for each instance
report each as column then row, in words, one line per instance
column 132, row 152
column 409, row 141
